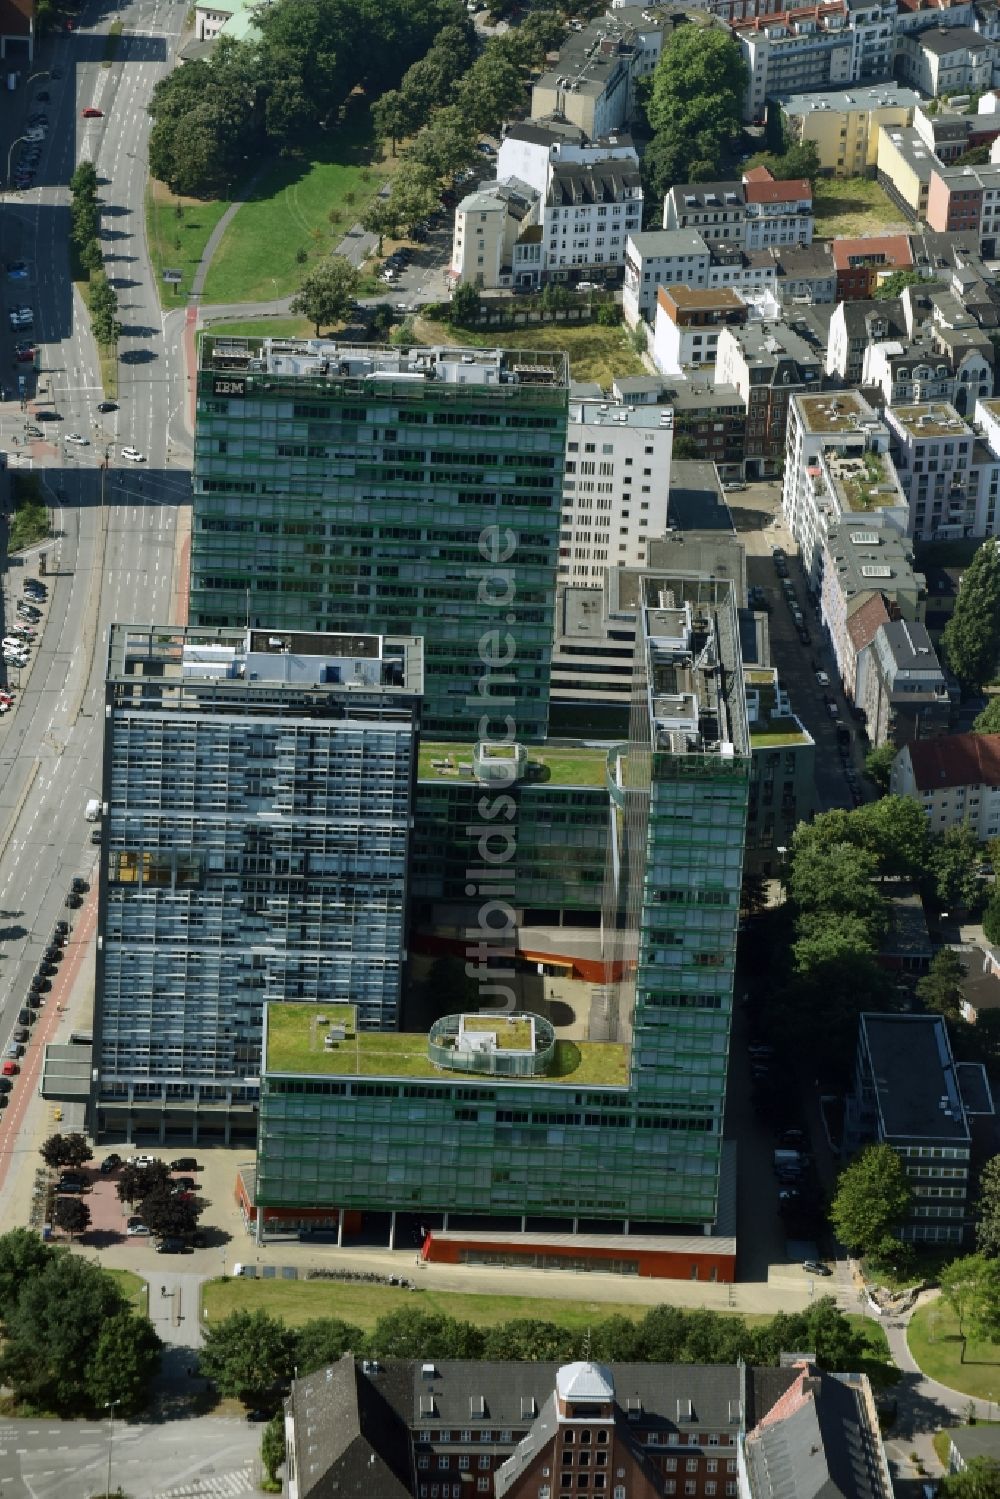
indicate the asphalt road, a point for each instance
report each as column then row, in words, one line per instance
column 111, row 560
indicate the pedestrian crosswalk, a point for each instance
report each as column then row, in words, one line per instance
column 217, row 1486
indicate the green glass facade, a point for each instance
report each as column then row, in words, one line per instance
column 353, row 488
column 632, row 1130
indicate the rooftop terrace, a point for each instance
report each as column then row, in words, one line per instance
column 938, row 420
column 558, row 764
column 834, row 412
column 295, row 1043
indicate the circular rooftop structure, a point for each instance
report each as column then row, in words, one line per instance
column 497, row 1045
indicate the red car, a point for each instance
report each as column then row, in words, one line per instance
column 10, row 1069
column 25, row 356
column 90, row 113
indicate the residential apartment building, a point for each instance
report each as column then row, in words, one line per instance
column 530, row 148
column 949, row 133
column 937, row 366
column 504, row 1428
column 777, row 213
column 806, row 275
column 910, row 1093
column 843, row 124
column 767, row 363
column 782, row 775
column 689, row 324
column 904, row 166
column 497, row 238
column 341, row 486
column 933, row 452
column 715, row 210
column 592, row 84
column 590, row 210
column 956, row 780
column 258, row 792
column 863, row 558
column 816, row 490
column 520, row 1126
column 945, row 60
column 616, row 487
column 854, row 327
column 661, row 257
column 822, row 47
column 900, row 686
column 861, row 264
column 966, row 200
column 714, row 416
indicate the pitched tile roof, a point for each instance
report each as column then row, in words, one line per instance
column 864, row 622
column 956, row 760
column 889, row 250
column 766, row 190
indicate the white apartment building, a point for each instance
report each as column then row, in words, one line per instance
column 661, row 257
column 815, row 47
column 616, row 487
column 933, row 450
column 956, row 778
column 493, row 233
column 820, row 427
column 530, row 147
column 688, row 323
column 777, row 214
column 863, row 557
column 589, row 212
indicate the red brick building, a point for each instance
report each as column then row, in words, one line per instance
column 860, row 263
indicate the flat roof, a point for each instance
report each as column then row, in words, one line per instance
column 693, row 298
column 938, row 419
column 240, row 364
column 835, row 411
column 553, row 764
column 294, row 1045
column 649, row 415
column 887, row 95
column 913, row 1073
column 667, row 1243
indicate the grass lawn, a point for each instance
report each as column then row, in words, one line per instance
column 108, row 360
column 595, row 352
column 264, row 327
column 300, row 1301
column 938, row 1349
column 440, row 761
column 133, row 1287
column 176, row 241
column 299, row 204
column 853, row 205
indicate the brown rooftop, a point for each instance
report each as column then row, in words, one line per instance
column 956, row 760
column 700, row 299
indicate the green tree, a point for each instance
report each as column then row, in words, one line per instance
column 170, row 1213
column 799, row 159
column 988, row 722
column 489, row 92
column 323, row 1341
column 444, row 146
column 72, row 1215
column 836, row 880
column 327, row 294
column 66, row 1150
column 136, row 1182
column 409, row 1333
column 988, row 1208
column 272, row 1445
column 662, row 1335
column 971, row 1287
column 85, row 220
column 528, row 1341
column 979, row 1479
column 878, row 765
column 940, row 989
column 124, row 1361
column 391, row 118
column 91, row 256
column 696, row 100
column 615, row 1340
column 991, row 918
column 895, row 830
column 971, row 638
column 953, row 861
column 685, row 446
column 465, row 306
column 381, row 217
column 414, row 195
column 52, row 1331
column 23, row 1257
column 895, row 284
column 248, row 1354
column 871, row 1201
column 84, row 180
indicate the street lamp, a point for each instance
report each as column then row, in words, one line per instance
column 10, row 153
column 109, row 1405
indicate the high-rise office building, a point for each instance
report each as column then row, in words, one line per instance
column 391, row 491
column 258, row 790
column 616, row 1117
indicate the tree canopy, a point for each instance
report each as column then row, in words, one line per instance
column 971, row 638
column 327, row 294
column 871, row 1202
column 988, row 1205
column 69, row 1335
column 895, row 284
column 66, row 1150
column 940, row 989
column 979, row 1479
column 988, row 722
column 248, row 1354
column 694, row 105
column 971, row 1287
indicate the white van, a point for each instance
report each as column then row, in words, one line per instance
column 93, row 811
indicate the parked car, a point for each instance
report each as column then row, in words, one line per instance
column 72, row 901
column 185, row 1163
column 816, row 1267
column 110, row 1163
column 90, row 113
column 79, row 884
column 144, row 1160
column 184, row 1184
column 173, row 1245
column 135, row 1229
column 10, row 1069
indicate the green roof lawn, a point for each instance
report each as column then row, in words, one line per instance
column 295, row 1044
column 559, row 765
